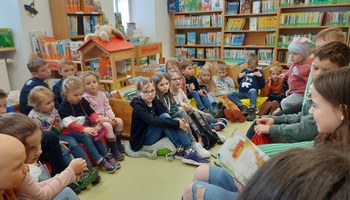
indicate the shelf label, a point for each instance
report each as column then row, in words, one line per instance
column 79, row 13
column 149, row 49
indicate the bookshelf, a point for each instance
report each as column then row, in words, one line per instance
column 142, row 51
column 73, row 22
column 265, row 30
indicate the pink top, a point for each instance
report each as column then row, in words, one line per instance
column 101, row 106
column 30, row 189
column 298, row 75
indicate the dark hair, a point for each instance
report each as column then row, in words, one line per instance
column 144, row 81
column 2, row 94
column 18, row 125
column 185, row 63
column 156, row 79
column 34, row 63
column 315, row 173
column 334, row 87
column 337, row 52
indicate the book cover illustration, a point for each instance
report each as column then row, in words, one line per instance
column 206, row 5
column 200, row 52
column 191, row 53
column 191, row 38
column 121, row 67
column 217, row 4
column 135, row 80
column 34, row 37
column 74, row 53
column 173, row 6
column 246, row 7
column 240, row 157
column 6, row 39
column 86, row 24
column 256, row 6
column 95, row 66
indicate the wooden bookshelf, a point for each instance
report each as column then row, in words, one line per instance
column 147, row 50
column 60, row 19
column 7, row 49
column 256, row 39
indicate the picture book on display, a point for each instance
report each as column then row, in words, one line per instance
column 6, row 39
column 217, row 4
column 34, row 36
column 191, row 38
column 240, row 157
column 246, row 7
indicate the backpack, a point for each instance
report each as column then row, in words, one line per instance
column 202, row 131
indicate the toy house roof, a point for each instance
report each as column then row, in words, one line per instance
column 115, row 44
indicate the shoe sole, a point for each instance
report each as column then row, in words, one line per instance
column 109, row 172
column 192, row 162
column 229, row 115
column 264, row 108
column 237, row 114
column 97, row 180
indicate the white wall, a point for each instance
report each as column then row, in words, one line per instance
column 152, row 18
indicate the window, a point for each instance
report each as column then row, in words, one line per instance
column 122, row 6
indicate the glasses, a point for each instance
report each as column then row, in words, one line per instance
column 176, row 79
column 151, row 92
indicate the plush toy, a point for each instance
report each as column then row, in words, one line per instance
column 104, row 32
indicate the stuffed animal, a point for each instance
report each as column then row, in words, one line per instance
column 104, row 32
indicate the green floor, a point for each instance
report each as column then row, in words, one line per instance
column 146, row 179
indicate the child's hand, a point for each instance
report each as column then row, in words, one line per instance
column 64, row 145
column 78, row 165
column 90, row 130
column 207, row 114
column 266, row 121
column 113, row 122
column 241, row 75
column 99, row 120
column 262, row 129
column 192, row 87
column 183, row 125
column 186, row 107
column 281, row 76
column 200, row 92
column 258, row 74
column 287, row 93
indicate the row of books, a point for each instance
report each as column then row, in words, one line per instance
column 234, row 55
column 194, row 5
column 301, row 19
column 263, row 23
column 341, row 18
column 311, row 2
column 126, row 93
column 199, row 53
column 89, row 23
column 210, row 38
column 285, row 40
column 83, row 5
column 248, row 7
column 270, row 39
column 235, row 24
column 184, row 21
column 148, row 60
column 236, row 39
column 282, row 56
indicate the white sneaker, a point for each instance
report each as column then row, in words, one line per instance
column 222, row 138
column 201, row 151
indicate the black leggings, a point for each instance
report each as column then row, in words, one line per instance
column 52, row 152
column 291, row 110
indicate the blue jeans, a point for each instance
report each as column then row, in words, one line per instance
column 177, row 136
column 210, row 120
column 219, row 186
column 252, row 94
column 202, row 101
column 75, row 149
column 66, row 194
column 96, row 149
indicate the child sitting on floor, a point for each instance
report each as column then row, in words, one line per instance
column 3, row 102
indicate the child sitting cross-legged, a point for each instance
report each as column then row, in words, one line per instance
column 99, row 102
column 45, row 114
column 80, row 121
column 150, row 122
column 250, row 80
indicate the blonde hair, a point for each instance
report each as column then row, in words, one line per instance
column 63, row 62
column 71, row 83
column 211, row 87
column 276, row 68
column 185, row 63
column 221, row 66
column 252, row 58
column 38, row 94
column 172, row 61
column 332, row 34
column 34, row 64
column 88, row 73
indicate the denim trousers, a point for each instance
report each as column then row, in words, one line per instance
column 177, row 136
column 75, row 149
column 220, row 185
column 202, row 101
column 252, row 94
column 66, row 194
column 96, row 149
column 182, row 114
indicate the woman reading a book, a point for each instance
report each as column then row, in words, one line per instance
column 330, row 97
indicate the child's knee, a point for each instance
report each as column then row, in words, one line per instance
column 165, row 115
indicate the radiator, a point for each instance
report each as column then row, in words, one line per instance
column 4, row 78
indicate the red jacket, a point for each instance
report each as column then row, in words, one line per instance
column 298, row 75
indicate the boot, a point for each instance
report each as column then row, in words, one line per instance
column 119, row 143
column 115, row 151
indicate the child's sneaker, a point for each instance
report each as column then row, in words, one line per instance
column 97, row 179
column 229, row 115
column 106, row 166
column 265, row 108
column 75, row 187
column 201, row 150
column 180, row 153
column 244, row 109
column 193, row 158
column 219, row 113
column 223, row 120
column 218, row 126
column 221, row 137
column 251, row 115
column 86, row 178
column 237, row 114
column 112, row 160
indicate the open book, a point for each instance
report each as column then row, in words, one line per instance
column 240, row 157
